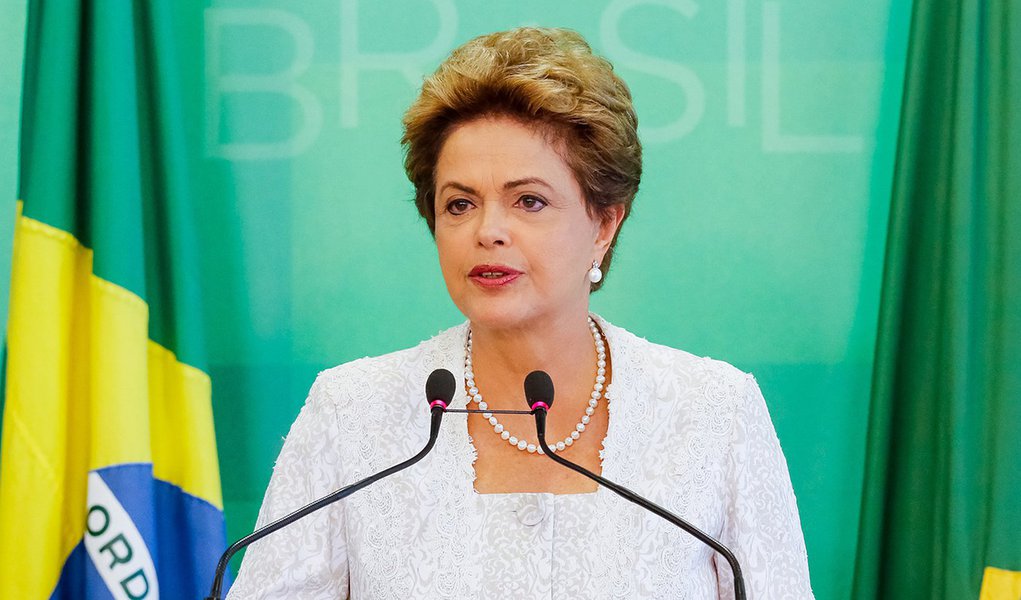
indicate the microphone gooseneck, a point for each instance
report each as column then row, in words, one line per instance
column 439, row 391
column 539, row 395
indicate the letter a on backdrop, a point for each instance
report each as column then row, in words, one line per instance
column 109, row 484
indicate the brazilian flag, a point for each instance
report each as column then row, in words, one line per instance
column 941, row 510
column 109, row 484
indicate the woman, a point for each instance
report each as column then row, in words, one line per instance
column 525, row 159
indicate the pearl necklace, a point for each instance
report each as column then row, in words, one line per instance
column 520, row 443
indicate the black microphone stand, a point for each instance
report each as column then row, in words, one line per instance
column 344, row 492
column 623, row 492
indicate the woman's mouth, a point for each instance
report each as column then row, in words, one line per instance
column 491, row 276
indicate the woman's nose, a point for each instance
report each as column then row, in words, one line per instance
column 493, row 226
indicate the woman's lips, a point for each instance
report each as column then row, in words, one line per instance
column 493, row 276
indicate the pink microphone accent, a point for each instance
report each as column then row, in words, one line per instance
column 540, row 403
column 439, row 403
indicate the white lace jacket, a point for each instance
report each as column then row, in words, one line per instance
column 691, row 434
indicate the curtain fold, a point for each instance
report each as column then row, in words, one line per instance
column 942, row 493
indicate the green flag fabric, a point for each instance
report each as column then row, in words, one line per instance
column 942, row 495
column 109, row 479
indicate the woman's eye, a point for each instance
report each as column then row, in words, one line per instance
column 458, row 207
column 532, row 203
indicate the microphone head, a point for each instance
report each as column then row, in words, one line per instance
column 539, row 390
column 439, row 388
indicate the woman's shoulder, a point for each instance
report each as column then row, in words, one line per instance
column 659, row 361
column 385, row 376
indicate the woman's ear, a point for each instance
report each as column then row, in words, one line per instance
column 609, row 223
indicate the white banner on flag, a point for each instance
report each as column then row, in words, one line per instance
column 116, row 547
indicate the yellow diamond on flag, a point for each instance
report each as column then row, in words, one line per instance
column 1000, row 584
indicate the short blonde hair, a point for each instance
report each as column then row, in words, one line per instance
column 544, row 77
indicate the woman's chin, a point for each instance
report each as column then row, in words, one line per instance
column 500, row 318
column 518, row 313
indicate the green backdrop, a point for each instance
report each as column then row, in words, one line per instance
column 12, row 54
column 757, row 237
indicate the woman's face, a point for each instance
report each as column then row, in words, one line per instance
column 514, row 237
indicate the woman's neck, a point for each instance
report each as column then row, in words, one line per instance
column 501, row 358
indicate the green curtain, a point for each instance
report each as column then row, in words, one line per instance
column 942, row 495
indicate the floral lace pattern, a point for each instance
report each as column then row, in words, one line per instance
column 691, row 434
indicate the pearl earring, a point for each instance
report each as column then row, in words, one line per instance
column 595, row 274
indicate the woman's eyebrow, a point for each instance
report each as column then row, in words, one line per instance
column 460, row 187
column 507, row 186
column 525, row 181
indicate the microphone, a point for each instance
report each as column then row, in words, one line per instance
column 439, row 389
column 539, row 395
